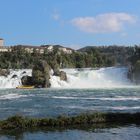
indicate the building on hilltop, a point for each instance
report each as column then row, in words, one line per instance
column 1, row 42
column 38, row 49
column 42, row 49
column 28, row 48
column 2, row 47
column 60, row 48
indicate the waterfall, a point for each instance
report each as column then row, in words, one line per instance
column 76, row 78
column 14, row 78
column 93, row 78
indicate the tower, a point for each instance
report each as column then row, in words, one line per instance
column 1, row 42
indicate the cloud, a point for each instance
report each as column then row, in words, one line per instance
column 103, row 23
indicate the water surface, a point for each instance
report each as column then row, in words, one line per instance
column 119, row 133
column 54, row 102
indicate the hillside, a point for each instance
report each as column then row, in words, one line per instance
column 121, row 54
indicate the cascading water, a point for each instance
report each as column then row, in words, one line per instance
column 93, row 78
column 14, row 78
column 76, row 78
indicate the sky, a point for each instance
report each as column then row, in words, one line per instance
column 72, row 23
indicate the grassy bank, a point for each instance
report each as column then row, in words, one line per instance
column 22, row 123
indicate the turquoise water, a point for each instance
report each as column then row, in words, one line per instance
column 54, row 102
column 51, row 102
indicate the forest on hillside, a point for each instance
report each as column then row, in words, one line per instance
column 86, row 57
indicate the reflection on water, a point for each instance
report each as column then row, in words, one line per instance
column 131, row 132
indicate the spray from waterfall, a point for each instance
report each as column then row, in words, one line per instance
column 13, row 80
column 76, row 78
column 93, row 78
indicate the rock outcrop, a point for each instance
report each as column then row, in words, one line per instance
column 63, row 76
column 57, row 72
column 4, row 72
column 134, row 73
column 41, row 75
column 27, row 80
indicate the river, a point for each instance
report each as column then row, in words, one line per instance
column 86, row 91
column 54, row 102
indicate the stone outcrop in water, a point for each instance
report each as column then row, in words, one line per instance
column 63, row 76
column 41, row 75
column 57, row 72
column 27, row 80
column 134, row 72
column 4, row 72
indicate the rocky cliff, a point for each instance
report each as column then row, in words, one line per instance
column 134, row 72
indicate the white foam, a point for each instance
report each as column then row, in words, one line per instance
column 11, row 96
column 14, row 78
column 132, row 98
column 119, row 108
column 111, row 77
column 125, row 108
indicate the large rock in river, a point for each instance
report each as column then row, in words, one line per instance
column 4, row 72
column 27, row 80
column 134, row 73
column 41, row 74
column 63, row 76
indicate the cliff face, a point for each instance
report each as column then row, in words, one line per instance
column 134, row 72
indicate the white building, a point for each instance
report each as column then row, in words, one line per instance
column 2, row 47
column 1, row 42
column 66, row 50
column 5, row 50
column 50, row 48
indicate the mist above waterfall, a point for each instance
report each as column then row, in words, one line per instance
column 93, row 78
